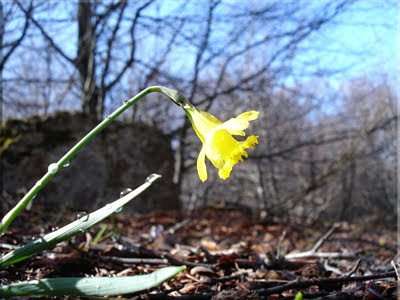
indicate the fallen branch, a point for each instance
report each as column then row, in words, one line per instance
column 176, row 227
column 312, row 253
column 355, row 268
column 205, row 296
column 339, row 272
column 324, row 238
column 395, row 269
column 309, row 254
column 301, row 284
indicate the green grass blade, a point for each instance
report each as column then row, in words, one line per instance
column 90, row 286
column 99, row 235
column 51, row 239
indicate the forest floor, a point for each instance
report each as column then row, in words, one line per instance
column 229, row 254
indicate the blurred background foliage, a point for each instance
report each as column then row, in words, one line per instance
column 320, row 72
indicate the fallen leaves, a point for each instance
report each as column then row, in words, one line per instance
column 229, row 255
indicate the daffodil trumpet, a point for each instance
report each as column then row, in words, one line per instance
column 219, row 145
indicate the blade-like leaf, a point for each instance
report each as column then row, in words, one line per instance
column 89, row 286
column 49, row 240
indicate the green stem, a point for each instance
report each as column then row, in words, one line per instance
column 175, row 96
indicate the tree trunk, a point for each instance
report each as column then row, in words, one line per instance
column 85, row 60
column 1, row 59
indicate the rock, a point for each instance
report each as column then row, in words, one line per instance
column 120, row 157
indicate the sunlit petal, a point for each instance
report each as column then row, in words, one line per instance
column 235, row 126
column 201, row 165
column 248, row 115
column 219, row 146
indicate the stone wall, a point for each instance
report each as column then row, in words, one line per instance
column 122, row 156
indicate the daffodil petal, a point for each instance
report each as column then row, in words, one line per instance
column 219, row 145
column 248, row 115
column 237, row 156
column 250, row 142
column 212, row 147
column 226, row 170
column 235, row 126
column 201, row 165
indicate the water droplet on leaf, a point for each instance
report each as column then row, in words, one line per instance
column 37, row 239
column 118, row 210
column 53, row 168
column 82, row 216
column 152, row 177
column 125, row 192
column 66, row 165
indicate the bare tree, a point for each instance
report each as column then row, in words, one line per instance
column 226, row 57
column 97, row 36
column 9, row 45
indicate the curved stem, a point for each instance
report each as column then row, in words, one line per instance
column 175, row 96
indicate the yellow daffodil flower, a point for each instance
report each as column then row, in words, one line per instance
column 219, row 145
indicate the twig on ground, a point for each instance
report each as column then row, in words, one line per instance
column 339, row 272
column 309, row 254
column 299, row 284
column 325, row 237
column 312, row 253
column 174, row 261
column 278, row 248
column 338, row 296
column 355, row 268
column 332, row 269
column 395, row 267
column 205, row 296
column 176, row 227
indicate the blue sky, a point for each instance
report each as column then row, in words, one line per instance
column 362, row 41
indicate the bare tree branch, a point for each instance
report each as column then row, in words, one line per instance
column 131, row 58
column 14, row 44
column 46, row 36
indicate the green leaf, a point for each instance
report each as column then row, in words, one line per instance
column 89, row 286
column 99, row 235
column 299, row 296
column 51, row 239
